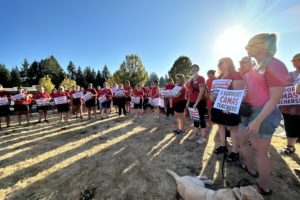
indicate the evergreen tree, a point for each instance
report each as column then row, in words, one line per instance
column 89, row 76
column 105, row 73
column 51, row 67
column 15, row 77
column 132, row 70
column 182, row 65
column 153, row 77
column 4, row 76
column 162, row 82
column 71, row 70
column 47, row 83
column 24, row 73
column 35, row 73
column 80, row 78
column 99, row 79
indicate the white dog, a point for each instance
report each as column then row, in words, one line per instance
column 193, row 188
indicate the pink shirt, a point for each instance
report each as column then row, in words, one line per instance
column 259, row 82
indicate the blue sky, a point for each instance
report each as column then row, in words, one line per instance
column 97, row 32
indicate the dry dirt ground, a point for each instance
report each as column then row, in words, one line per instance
column 119, row 158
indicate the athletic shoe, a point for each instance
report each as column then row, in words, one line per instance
column 202, row 140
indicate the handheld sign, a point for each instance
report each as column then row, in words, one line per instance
column 297, row 80
column 135, row 100
column 3, row 101
column 154, row 101
column 60, row 100
column 219, row 84
column 102, row 99
column 77, row 95
column 289, row 97
column 42, row 102
column 165, row 93
column 194, row 114
column 17, row 97
column 175, row 91
column 119, row 93
column 161, row 102
column 229, row 100
column 87, row 96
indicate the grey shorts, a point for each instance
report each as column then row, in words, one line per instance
column 268, row 126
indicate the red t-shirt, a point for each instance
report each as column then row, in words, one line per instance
column 24, row 101
column 232, row 76
column 169, row 86
column 146, row 91
column 107, row 92
column 127, row 90
column 182, row 95
column 40, row 95
column 194, row 89
column 92, row 91
column 209, row 83
column 61, row 94
column 153, row 91
column 138, row 93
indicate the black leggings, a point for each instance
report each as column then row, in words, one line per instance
column 121, row 105
column 201, row 109
column 169, row 109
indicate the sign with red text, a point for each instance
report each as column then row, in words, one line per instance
column 229, row 100
column 87, row 96
column 165, row 93
column 3, row 101
column 60, row 100
column 297, row 80
column 154, row 101
column 289, row 97
column 194, row 114
column 42, row 102
column 175, row 91
column 135, row 100
column 102, row 99
column 77, row 95
column 18, row 97
column 219, row 84
column 119, row 93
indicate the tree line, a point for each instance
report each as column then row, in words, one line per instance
column 131, row 69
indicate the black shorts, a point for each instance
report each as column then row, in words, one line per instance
column 291, row 125
column 63, row 108
column 138, row 105
column 115, row 101
column 128, row 99
column 21, row 108
column 90, row 103
column 179, row 106
column 4, row 111
column 43, row 108
column 219, row 117
column 106, row 104
column 77, row 102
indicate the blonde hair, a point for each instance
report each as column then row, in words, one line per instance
column 266, row 42
column 230, row 66
column 181, row 79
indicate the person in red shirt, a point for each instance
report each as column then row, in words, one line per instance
column 63, row 105
column 105, row 91
column 138, row 93
column 42, row 109
column 154, row 94
column 179, row 104
column 228, row 121
column 5, row 108
column 21, row 105
column 91, row 103
column 168, row 101
column 128, row 91
column 197, row 101
column 211, row 77
column 77, row 102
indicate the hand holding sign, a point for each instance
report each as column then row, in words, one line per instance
column 102, row 99
column 3, row 101
column 119, row 93
column 77, row 95
column 219, row 84
column 194, row 114
column 60, row 100
column 229, row 100
column 135, row 100
column 165, row 93
column 289, row 97
column 42, row 102
column 175, row 91
column 87, row 96
column 18, row 97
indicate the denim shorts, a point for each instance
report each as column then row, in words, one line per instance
column 268, row 126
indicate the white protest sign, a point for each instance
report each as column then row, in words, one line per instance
column 42, row 102
column 102, row 99
column 229, row 100
column 135, row 100
column 3, row 101
column 60, row 100
column 18, row 96
column 194, row 114
column 297, row 80
column 154, row 101
column 77, row 95
column 87, row 96
column 175, row 91
column 165, row 93
column 220, row 84
column 119, row 93
column 161, row 102
column 289, row 97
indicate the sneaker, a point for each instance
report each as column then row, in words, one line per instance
column 46, row 120
column 220, row 149
column 202, row 140
column 39, row 121
column 193, row 138
column 180, row 132
column 175, row 131
column 233, row 157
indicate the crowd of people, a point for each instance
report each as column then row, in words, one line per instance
column 260, row 74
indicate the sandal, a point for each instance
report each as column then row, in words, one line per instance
column 288, row 150
column 261, row 191
column 233, row 157
column 245, row 168
column 220, row 149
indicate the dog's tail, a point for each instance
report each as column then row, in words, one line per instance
column 170, row 172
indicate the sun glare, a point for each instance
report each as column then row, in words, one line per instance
column 231, row 42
